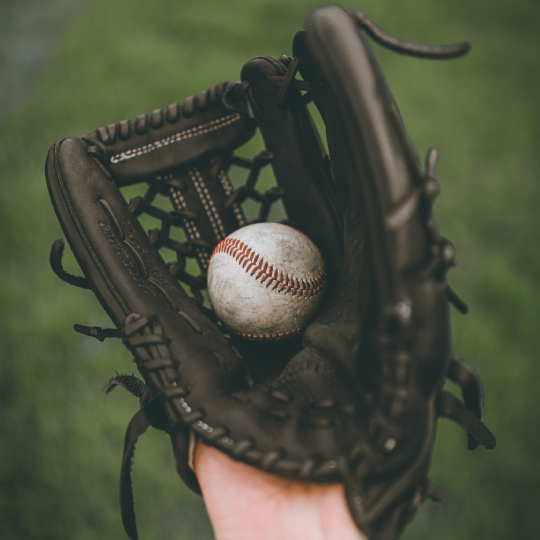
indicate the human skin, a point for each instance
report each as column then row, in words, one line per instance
column 246, row 504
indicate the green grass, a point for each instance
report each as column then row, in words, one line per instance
column 61, row 439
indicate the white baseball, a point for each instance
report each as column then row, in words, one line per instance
column 265, row 281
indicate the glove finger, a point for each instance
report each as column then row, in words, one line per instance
column 166, row 139
column 299, row 161
column 385, row 195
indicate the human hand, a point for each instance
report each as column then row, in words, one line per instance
column 246, row 504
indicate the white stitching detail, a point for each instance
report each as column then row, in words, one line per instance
column 227, row 187
column 192, row 230
column 177, row 137
column 208, row 203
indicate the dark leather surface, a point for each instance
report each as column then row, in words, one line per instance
column 377, row 170
column 299, row 164
column 165, row 139
column 358, row 399
column 133, row 279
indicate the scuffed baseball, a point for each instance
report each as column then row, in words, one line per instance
column 265, row 281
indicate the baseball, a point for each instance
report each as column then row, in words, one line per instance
column 265, row 281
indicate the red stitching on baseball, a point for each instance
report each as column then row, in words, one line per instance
column 270, row 337
column 252, row 263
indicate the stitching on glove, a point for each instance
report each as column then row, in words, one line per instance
column 155, row 357
column 191, row 228
column 253, row 263
column 225, row 182
column 207, row 203
column 177, row 137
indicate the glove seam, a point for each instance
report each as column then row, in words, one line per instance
column 201, row 129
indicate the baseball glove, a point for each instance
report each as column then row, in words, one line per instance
column 356, row 397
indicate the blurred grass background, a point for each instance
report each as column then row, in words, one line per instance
column 67, row 67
